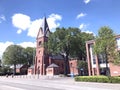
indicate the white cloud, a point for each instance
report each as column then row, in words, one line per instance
column 36, row 24
column 55, row 16
column 3, row 46
column 34, row 27
column 19, row 31
column 2, row 18
column 81, row 15
column 86, row 1
column 52, row 21
column 23, row 22
column 27, row 44
column 83, row 26
column 86, row 31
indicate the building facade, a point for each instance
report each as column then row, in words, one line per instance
column 43, row 61
column 97, row 65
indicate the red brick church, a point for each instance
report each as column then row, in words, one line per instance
column 46, row 64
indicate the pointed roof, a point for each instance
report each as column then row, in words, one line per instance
column 31, row 67
column 53, row 65
column 45, row 25
column 44, row 29
column 57, row 57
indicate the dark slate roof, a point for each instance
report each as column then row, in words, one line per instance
column 31, row 66
column 57, row 57
column 45, row 26
column 52, row 65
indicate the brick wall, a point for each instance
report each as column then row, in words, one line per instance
column 73, row 67
column 114, row 70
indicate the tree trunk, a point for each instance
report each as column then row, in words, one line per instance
column 107, row 68
column 66, row 65
column 14, row 70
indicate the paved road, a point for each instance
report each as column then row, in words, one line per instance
column 52, row 84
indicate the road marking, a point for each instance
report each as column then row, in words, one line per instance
column 5, row 87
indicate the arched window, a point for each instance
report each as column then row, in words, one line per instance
column 39, row 44
column 39, row 52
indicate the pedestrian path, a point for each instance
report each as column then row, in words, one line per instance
column 35, row 77
column 67, row 82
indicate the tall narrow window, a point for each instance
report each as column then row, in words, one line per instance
column 39, row 52
column 39, row 44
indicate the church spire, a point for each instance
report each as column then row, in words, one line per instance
column 45, row 26
column 44, row 29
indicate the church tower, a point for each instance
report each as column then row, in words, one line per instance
column 41, row 58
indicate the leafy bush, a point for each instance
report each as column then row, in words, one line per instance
column 102, row 79
column 85, row 78
column 115, row 79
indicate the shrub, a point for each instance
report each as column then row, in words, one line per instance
column 91, row 79
column 85, row 78
column 115, row 79
column 102, row 79
column 77, row 78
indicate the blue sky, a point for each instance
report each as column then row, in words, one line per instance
column 21, row 19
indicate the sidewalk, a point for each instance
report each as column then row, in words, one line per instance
column 60, row 81
column 37, row 77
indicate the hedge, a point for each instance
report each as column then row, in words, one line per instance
column 102, row 79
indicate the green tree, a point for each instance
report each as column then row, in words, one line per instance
column 105, row 44
column 13, row 55
column 69, row 42
column 59, row 43
column 79, row 43
column 117, row 58
column 29, row 54
column 5, row 70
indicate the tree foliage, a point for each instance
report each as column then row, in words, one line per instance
column 105, row 44
column 29, row 54
column 4, row 70
column 83, row 65
column 80, row 49
column 69, row 42
column 15, row 54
